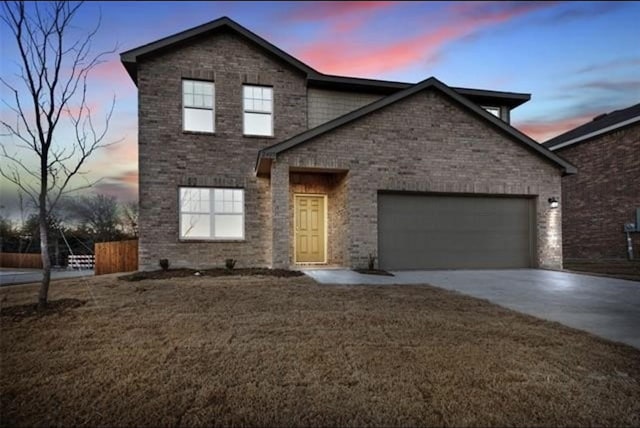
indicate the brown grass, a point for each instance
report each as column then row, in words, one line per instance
column 288, row 352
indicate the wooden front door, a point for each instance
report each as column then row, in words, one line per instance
column 310, row 229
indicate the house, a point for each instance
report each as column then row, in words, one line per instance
column 605, row 193
column 245, row 152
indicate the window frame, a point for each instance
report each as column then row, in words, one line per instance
column 245, row 111
column 185, row 107
column 498, row 108
column 212, row 214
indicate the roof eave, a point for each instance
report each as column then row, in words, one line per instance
column 130, row 57
column 275, row 149
column 562, row 144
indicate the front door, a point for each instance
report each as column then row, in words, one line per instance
column 310, row 227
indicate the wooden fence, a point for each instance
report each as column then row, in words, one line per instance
column 117, row 256
column 21, row 260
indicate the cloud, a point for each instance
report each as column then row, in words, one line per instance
column 610, row 65
column 322, row 10
column 608, row 85
column 362, row 58
column 123, row 186
column 581, row 10
column 111, row 73
column 543, row 129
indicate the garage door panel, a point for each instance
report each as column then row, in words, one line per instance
column 425, row 232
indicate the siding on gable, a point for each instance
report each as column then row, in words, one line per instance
column 325, row 105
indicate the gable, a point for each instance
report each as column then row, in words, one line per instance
column 425, row 134
column 131, row 57
column 432, row 84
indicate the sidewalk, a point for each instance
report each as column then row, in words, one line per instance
column 12, row 276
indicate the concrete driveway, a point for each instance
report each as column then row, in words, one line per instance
column 606, row 307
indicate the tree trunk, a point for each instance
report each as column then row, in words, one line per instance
column 46, row 261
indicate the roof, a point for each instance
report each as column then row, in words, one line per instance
column 314, row 78
column 271, row 152
column 599, row 125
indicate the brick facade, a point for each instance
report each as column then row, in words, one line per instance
column 426, row 143
column 602, row 196
column 423, row 143
column 169, row 157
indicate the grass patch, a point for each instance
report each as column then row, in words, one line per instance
column 54, row 307
column 215, row 272
column 269, row 351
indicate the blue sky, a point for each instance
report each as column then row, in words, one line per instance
column 577, row 59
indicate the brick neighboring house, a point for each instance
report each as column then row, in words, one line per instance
column 605, row 193
column 245, row 152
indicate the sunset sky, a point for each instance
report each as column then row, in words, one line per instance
column 577, row 59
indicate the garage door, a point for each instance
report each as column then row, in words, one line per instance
column 454, row 232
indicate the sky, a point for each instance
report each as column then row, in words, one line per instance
column 576, row 59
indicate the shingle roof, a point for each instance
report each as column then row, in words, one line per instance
column 598, row 126
column 315, row 78
column 272, row 151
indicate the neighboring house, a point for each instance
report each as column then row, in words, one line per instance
column 605, row 193
column 245, row 152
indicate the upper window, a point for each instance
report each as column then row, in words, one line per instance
column 197, row 106
column 257, row 103
column 493, row 110
column 211, row 213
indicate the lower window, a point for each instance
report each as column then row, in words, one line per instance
column 211, row 213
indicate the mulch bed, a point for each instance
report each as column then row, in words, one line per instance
column 31, row 310
column 373, row 272
column 181, row 273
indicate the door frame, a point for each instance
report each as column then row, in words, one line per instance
column 295, row 226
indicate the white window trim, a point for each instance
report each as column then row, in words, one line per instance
column 212, row 214
column 258, row 112
column 487, row 108
column 212, row 109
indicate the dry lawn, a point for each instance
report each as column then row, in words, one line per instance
column 260, row 351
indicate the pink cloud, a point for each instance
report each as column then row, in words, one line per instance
column 542, row 130
column 328, row 9
column 360, row 58
column 110, row 73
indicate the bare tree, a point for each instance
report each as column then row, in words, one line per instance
column 51, row 85
column 98, row 215
column 130, row 218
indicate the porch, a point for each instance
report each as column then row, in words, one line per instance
column 309, row 214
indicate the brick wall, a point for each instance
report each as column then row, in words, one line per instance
column 602, row 196
column 428, row 143
column 168, row 157
column 325, row 105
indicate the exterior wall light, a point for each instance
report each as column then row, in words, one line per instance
column 553, row 202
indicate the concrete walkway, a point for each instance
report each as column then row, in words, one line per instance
column 13, row 276
column 606, row 307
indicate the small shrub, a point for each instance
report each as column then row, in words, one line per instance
column 230, row 263
column 372, row 262
column 164, row 264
